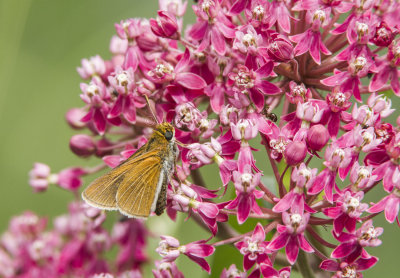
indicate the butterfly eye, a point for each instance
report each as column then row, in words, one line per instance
column 168, row 135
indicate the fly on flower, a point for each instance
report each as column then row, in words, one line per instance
column 138, row 186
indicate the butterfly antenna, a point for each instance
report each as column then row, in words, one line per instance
column 151, row 110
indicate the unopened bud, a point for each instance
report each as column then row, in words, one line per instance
column 295, row 152
column 82, row 145
column 317, row 137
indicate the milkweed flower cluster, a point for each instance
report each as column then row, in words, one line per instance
column 328, row 69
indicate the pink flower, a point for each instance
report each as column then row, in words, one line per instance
column 344, row 269
column 232, row 271
column 165, row 25
column 165, row 269
column 212, row 27
column 335, row 158
column 387, row 70
column 291, row 235
column 70, row 178
column 390, row 204
column 250, row 86
column 254, row 248
column 164, row 72
column 188, row 199
column 82, row 145
column 298, row 93
column 295, row 152
column 175, row 7
column 39, row 177
column 279, row 48
column 246, row 194
column 347, row 211
column 352, row 245
column 317, row 137
column 269, row 272
column 311, row 39
column 295, row 199
column 170, row 249
column 131, row 236
column 92, row 67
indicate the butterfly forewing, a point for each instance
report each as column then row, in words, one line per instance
column 101, row 192
column 137, row 194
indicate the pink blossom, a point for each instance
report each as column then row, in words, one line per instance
column 347, row 211
column 345, row 269
column 390, row 204
column 39, row 177
column 232, row 271
column 352, row 245
column 170, row 249
column 92, row 67
column 250, row 87
column 165, row 25
column 291, row 235
column 166, row 269
column 254, row 248
column 245, row 183
column 296, row 198
column 176, row 7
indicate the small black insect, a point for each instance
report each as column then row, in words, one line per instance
column 271, row 116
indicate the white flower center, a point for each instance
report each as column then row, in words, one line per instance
column 165, row 266
column 372, row 233
column 206, row 5
column 252, row 246
column 359, row 63
column 299, row 90
column 349, row 272
column 243, row 79
column 248, row 40
column 162, row 69
column 295, row 218
column 363, row 172
column 278, row 146
column 367, row 137
column 383, row 33
column 258, row 11
column 353, row 203
column 125, row 25
column 92, row 90
column 242, row 125
column 246, row 178
column 122, row 79
column 340, row 153
column 362, row 29
column 204, row 124
column 340, row 98
column 305, row 172
column 320, row 15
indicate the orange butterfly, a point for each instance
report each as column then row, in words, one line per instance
column 138, row 186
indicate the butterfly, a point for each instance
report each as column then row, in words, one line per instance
column 138, row 186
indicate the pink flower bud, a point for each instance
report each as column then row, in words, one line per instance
column 295, row 153
column 280, row 49
column 70, row 178
column 74, row 116
column 39, row 177
column 165, row 25
column 82, row 145
column 317, row 137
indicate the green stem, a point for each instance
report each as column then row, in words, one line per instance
column 304, row 266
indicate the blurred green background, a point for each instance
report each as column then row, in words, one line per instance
column 42, row 43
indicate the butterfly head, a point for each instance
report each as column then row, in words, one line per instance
column 166, row 130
